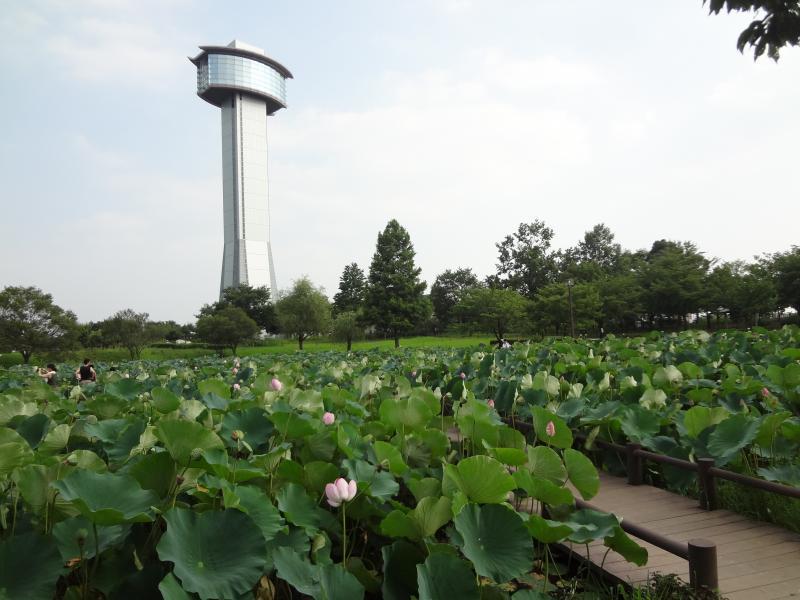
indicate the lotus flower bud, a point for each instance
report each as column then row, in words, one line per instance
column 340, row 491
column 765, row 392
column 237, row 435
column 490, row 402
column 276, row 384
column 550, row 428
column 237, row 387
column 413, row 374
column 462, row 375
column 328, row 418
column 235, row 370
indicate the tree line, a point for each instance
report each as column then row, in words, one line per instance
column 592, row 288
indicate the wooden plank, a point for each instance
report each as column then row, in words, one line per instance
column 757, row 561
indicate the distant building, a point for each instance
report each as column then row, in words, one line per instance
column 248, row 86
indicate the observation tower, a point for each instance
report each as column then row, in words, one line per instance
column 248, row 86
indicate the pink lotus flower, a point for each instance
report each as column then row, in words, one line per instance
column 276, row 384
column 462, row 375
column 340, row 491
column 235, row 370
column 328, row 418
column 236, row 386
column 490, row 402
column 765, row 392
column 550, row 428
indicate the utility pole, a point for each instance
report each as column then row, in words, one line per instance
column 571, row 312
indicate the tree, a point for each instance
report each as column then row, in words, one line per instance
column 550, row 309
column 621, row 302
column 395, row 302
column 256, row 302
column 447, row 291
column 30, row 322
column 352, row 290
column 777, row 25
column 673, row 278
column 304, row 311
column 346, row 328
column 226, row 328
column 786, row 269
column 492, row 309
column 129, row 329
column 525, row 262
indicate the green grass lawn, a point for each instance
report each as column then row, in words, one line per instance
column 269, row 347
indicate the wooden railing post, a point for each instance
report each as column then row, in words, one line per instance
column 703, row 564
column 708, row 486
column 635, row 467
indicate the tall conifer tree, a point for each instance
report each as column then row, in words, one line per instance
column 395, row 302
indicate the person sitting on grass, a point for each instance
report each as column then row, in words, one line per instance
column 49, row 374
column 86, row 373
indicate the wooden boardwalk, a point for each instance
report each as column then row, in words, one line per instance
column 756, row 561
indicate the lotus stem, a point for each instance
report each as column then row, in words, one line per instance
column 344, row 535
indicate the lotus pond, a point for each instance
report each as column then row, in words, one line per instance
column 218, row 478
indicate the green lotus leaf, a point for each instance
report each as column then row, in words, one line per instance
column 563, row 435
column 509, row 456
column 481, row 479
column 388, row 453
column 338, row 584
column 155, row 472
column 731, row 436
column 545, row 463
column 66, row 536
column 400, row 562
column 667, row 376
column 445, row 577
column 547, row 531
column 405, row 414
column 106, row 498
column 181, row 438
column 33, row 429
column 55, row 440
column 171, row 589
column 253, row 422
column 302, row 510
column 770, row 428
column 379, row 484
column 424, row 521
column 164, row 400
column 582, row 473
column 255, row 503
column 496, row 540
column 422, row 488
column 14, row 451
column 589, row 525
column 638, row 422
column 124, row 389
column 542, row 489
column 216, row 387
column 788, row 474
column 622, row 544
column 217, row 554
column 292, row 425
column 297, row 571
column 30, row 566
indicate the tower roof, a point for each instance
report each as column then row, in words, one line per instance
column 238, row 48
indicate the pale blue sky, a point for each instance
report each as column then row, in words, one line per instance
column 460, row 118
